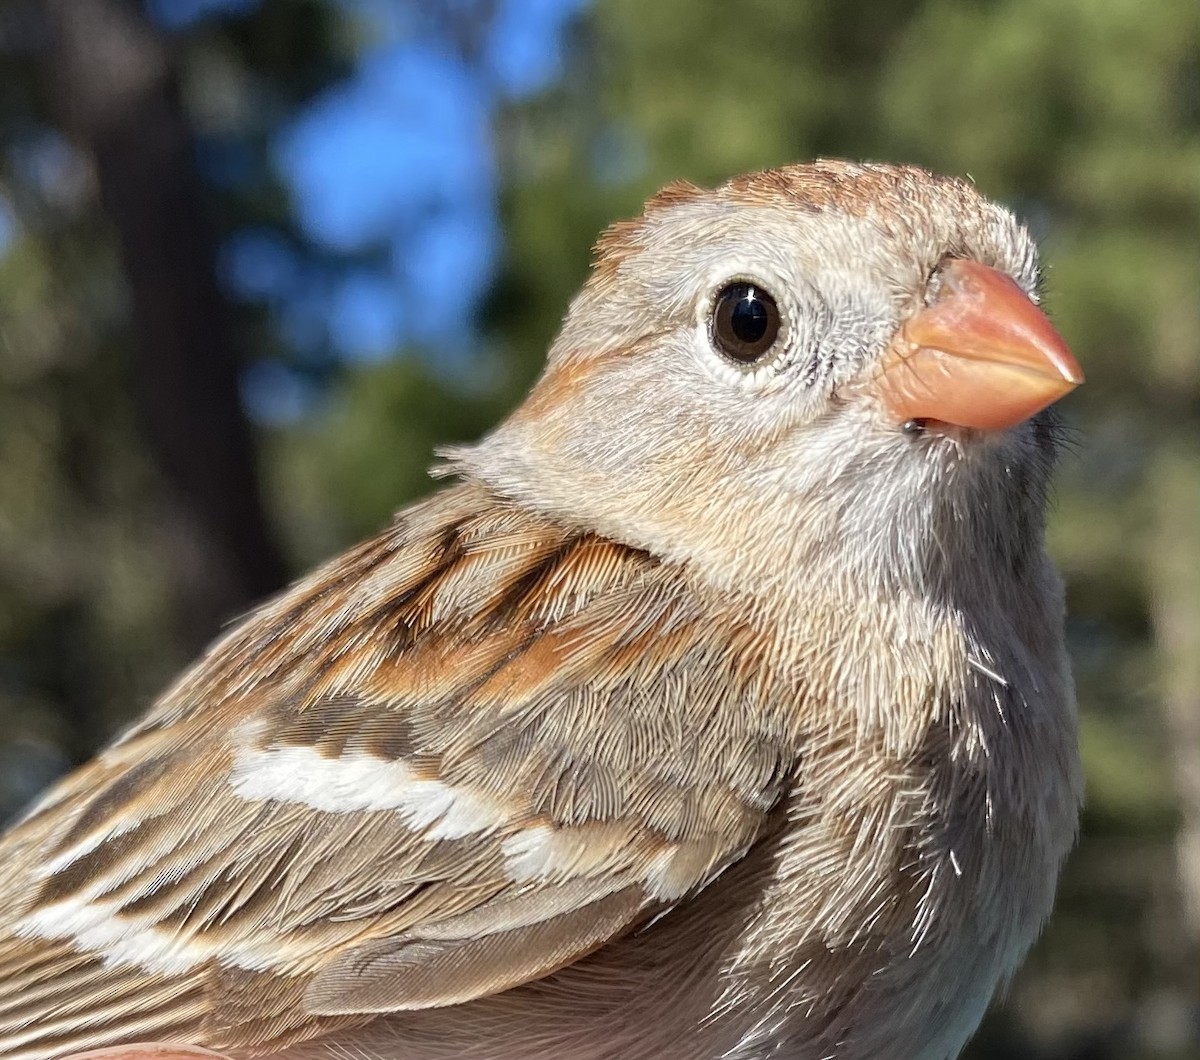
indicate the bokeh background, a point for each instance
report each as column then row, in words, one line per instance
column 257, row 257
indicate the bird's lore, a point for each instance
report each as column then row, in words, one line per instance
column 718, row 709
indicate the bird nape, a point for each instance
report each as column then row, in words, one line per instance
column 718, row 708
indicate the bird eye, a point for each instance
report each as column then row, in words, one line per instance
column 745, row 322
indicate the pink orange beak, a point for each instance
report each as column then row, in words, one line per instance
column 981, row 356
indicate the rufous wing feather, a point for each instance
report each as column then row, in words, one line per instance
column 419, row 777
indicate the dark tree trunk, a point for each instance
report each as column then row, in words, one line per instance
column 116, row 92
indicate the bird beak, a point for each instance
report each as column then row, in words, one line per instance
column 981, row 356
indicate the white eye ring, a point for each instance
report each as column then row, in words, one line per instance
column 748, row 367
column 745, row 322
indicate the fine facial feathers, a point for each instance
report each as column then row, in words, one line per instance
column 719, row 709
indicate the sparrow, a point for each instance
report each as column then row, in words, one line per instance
column 717, row 708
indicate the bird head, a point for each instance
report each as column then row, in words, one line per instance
column 832, row 370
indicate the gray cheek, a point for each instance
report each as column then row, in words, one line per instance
column 852, row 333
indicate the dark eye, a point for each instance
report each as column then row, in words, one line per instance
column 745, row 322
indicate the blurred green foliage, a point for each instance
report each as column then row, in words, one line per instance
column 1084, row 115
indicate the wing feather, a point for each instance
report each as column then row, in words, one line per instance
column 458, row 758
column 390, row 975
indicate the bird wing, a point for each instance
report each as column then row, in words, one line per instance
column 465, row 754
